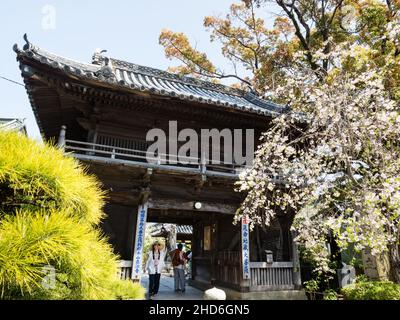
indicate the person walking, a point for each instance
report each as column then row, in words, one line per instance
column 154, row 266
column 178, row 263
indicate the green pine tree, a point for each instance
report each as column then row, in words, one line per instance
column 51, row 246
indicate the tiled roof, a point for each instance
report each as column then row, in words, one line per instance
column 184, row 229
column 12, row 124
column 139, row 78
column 156, row 229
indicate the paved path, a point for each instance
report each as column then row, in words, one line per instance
column 167, row 292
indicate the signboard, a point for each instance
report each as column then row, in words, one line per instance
column 245, row 247
column 139, row 241
column 207, row 238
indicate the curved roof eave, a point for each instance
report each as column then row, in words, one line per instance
column 125, row 75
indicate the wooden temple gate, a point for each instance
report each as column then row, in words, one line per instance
column 105, row 109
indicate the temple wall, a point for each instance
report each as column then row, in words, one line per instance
column 119, row 227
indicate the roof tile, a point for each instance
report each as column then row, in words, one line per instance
column 129, row 75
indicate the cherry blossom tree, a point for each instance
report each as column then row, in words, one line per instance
column 334, row 159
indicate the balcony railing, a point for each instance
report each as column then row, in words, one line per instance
column 87, row 150
column 114, row 150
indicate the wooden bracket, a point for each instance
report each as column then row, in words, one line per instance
column 145, row 190
column 145, row 194
column 199, row 183
column 147, row 176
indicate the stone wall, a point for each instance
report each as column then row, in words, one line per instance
column 376, row 267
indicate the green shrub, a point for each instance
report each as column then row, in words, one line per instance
column 35, row 176
column 50, row 210
column 128, row 290
column 372, row 290
column 311, row 287
column 330, row 295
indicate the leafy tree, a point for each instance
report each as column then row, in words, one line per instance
column 337, row 161
column 262, row 58
column 50, row 210
column 245, row 42
column 333, row 160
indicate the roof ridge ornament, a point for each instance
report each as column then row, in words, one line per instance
column 107, row 69
column 15, row 48
column 28, row 45
column 98, row 57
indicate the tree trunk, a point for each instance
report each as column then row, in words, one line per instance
column 394, row 258
column 172, row 237
column 259, row 248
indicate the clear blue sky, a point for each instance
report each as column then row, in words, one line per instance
column 128, row 29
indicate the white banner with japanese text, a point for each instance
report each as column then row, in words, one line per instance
column 245, row 247
column 139, row 241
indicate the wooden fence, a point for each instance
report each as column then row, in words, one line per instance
column 125, row 269
column 264, row 276
column 275, row 276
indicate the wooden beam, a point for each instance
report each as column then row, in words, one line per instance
column 165, row 204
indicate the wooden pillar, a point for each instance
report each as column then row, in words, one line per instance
column 286, row 244
column 92, row 137
column 214, row 240
column 93, row 120
column 130, row 241
column 296, row 262
column 195, row 247
column 61, row 137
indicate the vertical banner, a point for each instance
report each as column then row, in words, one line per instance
column 245, row 247
column 139, row 241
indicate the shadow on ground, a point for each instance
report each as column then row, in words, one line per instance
column 167, row 292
